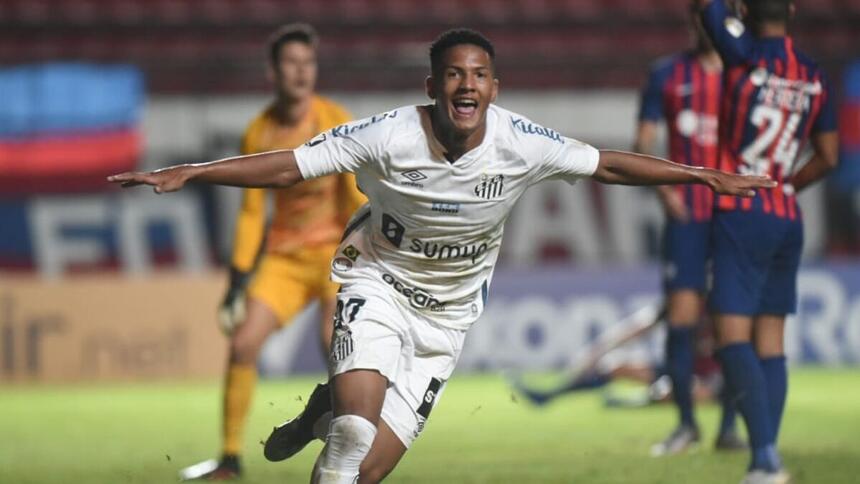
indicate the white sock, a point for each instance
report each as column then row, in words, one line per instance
column 348, row 442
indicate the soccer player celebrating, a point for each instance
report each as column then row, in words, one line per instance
column 775, row 100
column 684, row 89
column 303, row 235
column 415, row 263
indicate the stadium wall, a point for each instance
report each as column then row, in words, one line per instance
column 110, row 327
column 163, row 326
column 541, row 319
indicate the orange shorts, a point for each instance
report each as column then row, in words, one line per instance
column 288, row 283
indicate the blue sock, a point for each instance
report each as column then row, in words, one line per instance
column 679, row 365
column 776, row 376
column 728, row 412
column 587, row 382
column 746, row 384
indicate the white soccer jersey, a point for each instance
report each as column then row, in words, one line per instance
column 433, row 228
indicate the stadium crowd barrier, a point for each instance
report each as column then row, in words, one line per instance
column 162, row 326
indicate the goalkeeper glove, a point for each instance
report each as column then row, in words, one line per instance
column 232, row 311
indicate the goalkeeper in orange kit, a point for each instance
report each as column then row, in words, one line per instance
column 305, row 228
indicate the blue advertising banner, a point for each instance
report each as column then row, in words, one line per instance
column 542, row 319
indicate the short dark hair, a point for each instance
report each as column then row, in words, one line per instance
column 455, row 37
column 769, row 10
column 297, row 32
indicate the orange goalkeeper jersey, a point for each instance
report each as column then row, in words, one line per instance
column 306, row 215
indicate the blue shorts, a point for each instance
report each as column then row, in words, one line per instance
column 686, row 248
column 756, row 257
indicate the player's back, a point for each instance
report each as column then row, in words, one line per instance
column 774, row 98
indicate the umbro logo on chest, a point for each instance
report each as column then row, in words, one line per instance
column 413, row 178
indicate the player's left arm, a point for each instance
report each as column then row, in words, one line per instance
column 623, row 168
column 825, row 144
column 825, row 157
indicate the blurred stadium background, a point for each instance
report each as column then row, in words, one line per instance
column 102, row 285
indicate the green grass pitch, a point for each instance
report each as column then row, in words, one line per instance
column 479, row 433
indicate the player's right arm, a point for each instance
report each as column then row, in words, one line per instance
column 340, row 150
column 272, row 169
column 728, row 33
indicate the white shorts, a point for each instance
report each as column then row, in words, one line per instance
column 375, row 330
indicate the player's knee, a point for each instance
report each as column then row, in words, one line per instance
column 349, row 440
column 243, row 350
column 685, row 308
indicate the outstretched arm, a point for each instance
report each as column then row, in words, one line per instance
column 273, row 169
column 622, row 168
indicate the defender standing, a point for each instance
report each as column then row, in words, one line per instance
column 775, row 100
column 684, row 91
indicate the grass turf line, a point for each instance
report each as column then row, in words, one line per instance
column 479, row 433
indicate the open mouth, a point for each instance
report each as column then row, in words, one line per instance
column 465, row 107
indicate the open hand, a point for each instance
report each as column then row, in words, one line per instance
column 164, row 180
column 740, row 185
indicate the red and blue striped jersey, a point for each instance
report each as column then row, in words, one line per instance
column 687, row 96
column 774, row 98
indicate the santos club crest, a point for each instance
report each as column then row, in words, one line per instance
column 491, row 186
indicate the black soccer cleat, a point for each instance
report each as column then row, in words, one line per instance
column 287, row 439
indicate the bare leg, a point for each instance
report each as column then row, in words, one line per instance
column 326, row 324
column 684, row 307
column 769, row 339
column 733, row 328
column 386, row 452
column 248, row 339
column 357, row 398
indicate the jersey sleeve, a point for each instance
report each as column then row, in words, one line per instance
column 250, row 226
column 728, row 33
column 567, row 159
column 651, row 101
column 343, row 149
column 251, row 219
column 826, row 119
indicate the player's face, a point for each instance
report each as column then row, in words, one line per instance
column 463, row 88
column 295, row 73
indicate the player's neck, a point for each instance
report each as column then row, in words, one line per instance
column 772, row 29
column 291, row 111
column 456, row 145
column 709, row 58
